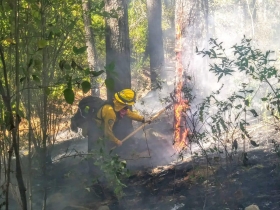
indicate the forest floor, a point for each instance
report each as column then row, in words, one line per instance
column 191, row 184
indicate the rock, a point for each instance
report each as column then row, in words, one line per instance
column 182, row 198
column 205, row 182
column 252, row 207
column 103, row 208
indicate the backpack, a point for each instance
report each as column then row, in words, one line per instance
column 87, row 110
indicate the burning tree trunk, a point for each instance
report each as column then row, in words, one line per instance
column 180, row 134
column 188, row 19
column 183, row 10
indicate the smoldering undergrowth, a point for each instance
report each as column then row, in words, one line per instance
column 219, row 123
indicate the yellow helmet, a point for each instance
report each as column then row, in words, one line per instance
column 126, row 96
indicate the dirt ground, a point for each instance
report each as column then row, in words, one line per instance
column 191, row 184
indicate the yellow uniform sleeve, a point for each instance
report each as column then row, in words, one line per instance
column 134, row 116
column 109, row 117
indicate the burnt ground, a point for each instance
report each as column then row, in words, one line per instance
column 191, row 184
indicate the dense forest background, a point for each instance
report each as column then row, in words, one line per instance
column 54, row 52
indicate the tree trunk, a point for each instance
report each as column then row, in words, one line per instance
column 254, row 10
column 205, row 6
column 118, row 52
column 252, row 13
column 186, row 16
column 8, row 172
column 13, row 124
column 28, row 117
column 244, row 16
column 44, row 119
column 15, row 131
column 117, row 46
column 264, row 7
column 155, row 41
column 171, row 4
column 29, row 142
column 90, row 42
column 206, row 19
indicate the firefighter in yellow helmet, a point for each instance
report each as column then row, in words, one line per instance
column 109, row 114
column 101, row 127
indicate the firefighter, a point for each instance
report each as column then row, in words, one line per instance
column 108, row 115
column 101, row 127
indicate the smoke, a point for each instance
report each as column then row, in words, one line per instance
column 228, row 24
column 152, row 146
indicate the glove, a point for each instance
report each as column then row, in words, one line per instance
column 146, row 121
column 119, row 143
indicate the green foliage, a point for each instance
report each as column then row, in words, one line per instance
column 51, row 58
column 110, row 68
column 110, row 84
column 222, row 118
column 35, row 78
column 113, row 168
column 42, row 43
column 7, row 120
column 97, row 73
column 249, row 60
column 85, row 86
column 79, row 50
column 76, row 76
column 69, row 95
column 138, row 26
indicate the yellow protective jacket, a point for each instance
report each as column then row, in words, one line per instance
column 106, row 118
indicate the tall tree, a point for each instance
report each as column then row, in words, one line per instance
column 252, row 13
column 155, row 41
column 117, row 46
column 205, row 4
column 44, row 120
column 117, row 50
column 90, row 42
column 188, row 21
column 15, row 131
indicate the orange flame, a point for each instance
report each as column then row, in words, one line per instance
column 180, row 131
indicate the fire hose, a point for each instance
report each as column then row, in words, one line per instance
column 144, row 124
